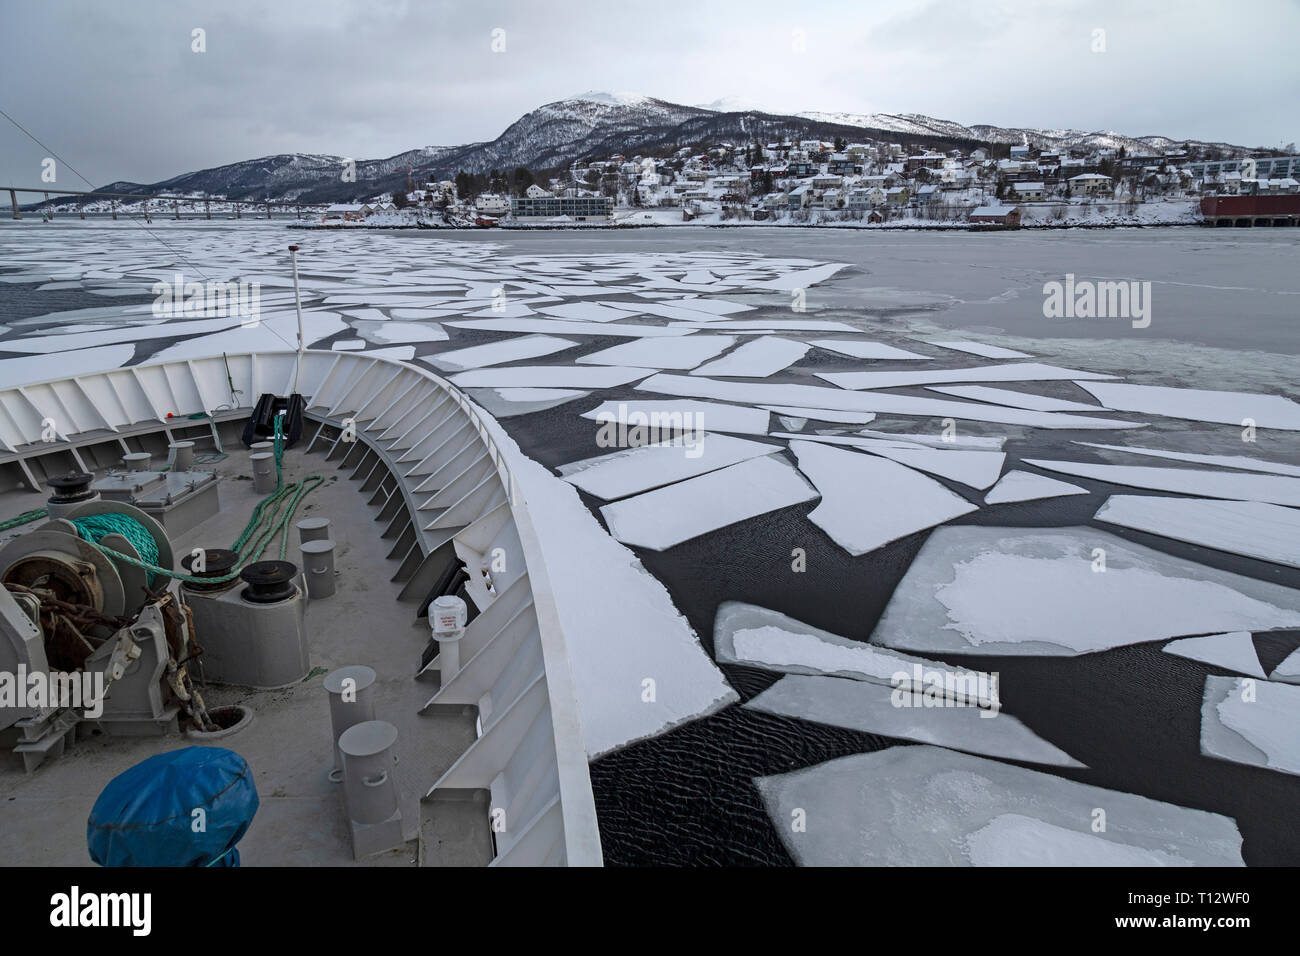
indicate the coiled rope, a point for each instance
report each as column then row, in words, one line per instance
column 93, row 528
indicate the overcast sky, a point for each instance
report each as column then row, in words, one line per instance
column 115, row 88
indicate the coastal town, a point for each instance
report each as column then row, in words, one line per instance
column 813, row 182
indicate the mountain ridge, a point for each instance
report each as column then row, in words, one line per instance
column 597, row 124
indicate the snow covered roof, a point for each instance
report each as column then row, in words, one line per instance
column 1089, row 176
column 992, row 210
column 1028, row 187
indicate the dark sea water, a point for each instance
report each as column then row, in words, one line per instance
column 1131, row 714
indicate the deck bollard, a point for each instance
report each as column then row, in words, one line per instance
column 181, row 457
column 318, row 567
column 370, row 787
column 351, row 691
column 312, row 529
column 263, row 472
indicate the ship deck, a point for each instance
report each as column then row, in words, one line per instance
column 301, row 819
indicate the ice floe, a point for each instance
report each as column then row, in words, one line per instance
column 562, row 327
column 1222, row 461
column 1251, row 722
column 783, row 325
column 1006, row 396
column 1232, row 652
column 1251, row 528
column 982, row 350
column 868, row 502
column 760, row 637
column 674, row 415
column 498, row 353
column 875, row 709
column 978, row 442
column 1199, row 404
column 824, row 414
column 548, row 376
column 1043, row 591
column 1013, row 839
column 508, row 402
column 1018, row 372
column 668, row 516
column 277, row 332
column 1026, row 486
column 391, row 332
column 978, row 469
column 1186, row 481
column 633, row 470
column 585, row 312
column 803, row 278
column 1289, row 669
column 713, row 306
column 758, row 358
column 684, row 352
column 859, row 348
column 928, row 806
column 834, row 399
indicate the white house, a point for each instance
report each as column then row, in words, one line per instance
column 1091, row 184
column 348, row 211
column 1029, row 191
column 490, row 204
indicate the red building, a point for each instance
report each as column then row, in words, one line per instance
column 1251, row 210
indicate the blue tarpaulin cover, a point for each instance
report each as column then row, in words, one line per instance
column 145, row 816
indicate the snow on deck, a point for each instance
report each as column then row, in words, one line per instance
column 619, row 622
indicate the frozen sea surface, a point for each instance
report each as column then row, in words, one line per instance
column 674, row 784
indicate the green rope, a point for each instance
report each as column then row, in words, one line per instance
column 271, row 517
column 266, row 522
column 24, row 518
column 93, row 528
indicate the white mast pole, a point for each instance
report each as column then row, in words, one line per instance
column 297, row 301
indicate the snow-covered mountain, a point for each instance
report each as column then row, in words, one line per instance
column 916, row 124
column 597, row 124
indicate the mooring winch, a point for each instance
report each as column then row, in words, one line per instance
column 84, row 606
